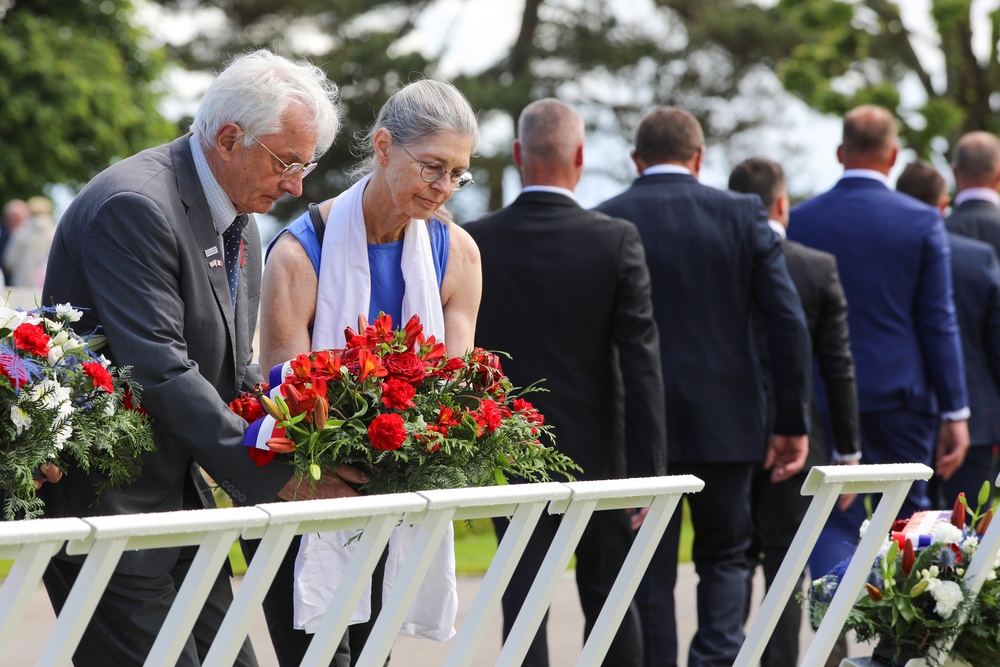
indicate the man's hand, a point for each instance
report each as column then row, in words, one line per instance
column 786, row 454
column 846, row 499
column 637, row 516
column 333, row 484
column 953, row 445
column 52, row 474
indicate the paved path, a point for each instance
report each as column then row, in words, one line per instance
column 565, row 630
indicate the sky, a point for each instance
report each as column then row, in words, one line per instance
column 472, row 34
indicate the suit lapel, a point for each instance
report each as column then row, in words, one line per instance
column 203, row 233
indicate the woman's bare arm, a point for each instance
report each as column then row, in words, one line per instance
column 461, row 291
column 288, row 303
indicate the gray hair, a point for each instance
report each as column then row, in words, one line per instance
column 418, row 111
column 256, row 89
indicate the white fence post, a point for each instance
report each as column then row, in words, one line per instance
column 826, row 484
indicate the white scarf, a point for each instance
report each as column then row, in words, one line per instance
column 344, row 293
column 345, row 277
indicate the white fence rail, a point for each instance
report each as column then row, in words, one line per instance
column 103, row 539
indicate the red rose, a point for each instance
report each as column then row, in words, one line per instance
column 488, row 371
column 405, row 366
column 32, row 338
column 387, row 432
column 100, row 375
column 398, row 394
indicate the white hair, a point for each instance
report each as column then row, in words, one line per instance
column 418, row 111
column 256, row 89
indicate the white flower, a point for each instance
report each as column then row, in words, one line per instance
column 948, row 596
column 60, row 338
column 970, row 544
column 68, row 312
column 864, row 527
column 10, row 318
column 109, row 407
column 947, row 533
column 55, row 354
column 62, row 434
column 931, row 573
column 20, row 418
column 991, row 575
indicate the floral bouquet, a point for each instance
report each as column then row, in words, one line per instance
column 916, row 597
column 393, row 404
column 64, row 403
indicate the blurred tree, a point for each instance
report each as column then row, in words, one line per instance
column 593, row 53
column 836, row 54
column 77, row 85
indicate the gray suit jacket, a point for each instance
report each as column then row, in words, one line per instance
column 131, row 251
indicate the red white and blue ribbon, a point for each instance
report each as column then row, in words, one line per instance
column 919, row 529
column 262, row 430
column 276, row 376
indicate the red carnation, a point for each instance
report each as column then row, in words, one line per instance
column 387, row 432
column 32, row 338
column 260, row 456
column 100, row 375
column 405, row 366
column 491, row 416
column 398, row 394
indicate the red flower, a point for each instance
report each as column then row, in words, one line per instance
column 260, row 456
column 100, row 375
column 488, row 371
column 129, row 402
column 491, row 416
column 413, row 332
column 405, row 366
column 369, row 365
column 387, row 432
column 32, row 338
column 398, row 394
column 248, row 407
column 449, row 368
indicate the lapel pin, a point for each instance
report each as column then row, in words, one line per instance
column 214, row 250
column 215, row 263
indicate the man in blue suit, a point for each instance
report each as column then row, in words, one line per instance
column 975, row 275
column 712, row 258
column 893, row 257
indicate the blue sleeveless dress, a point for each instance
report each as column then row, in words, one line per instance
column 384, row 261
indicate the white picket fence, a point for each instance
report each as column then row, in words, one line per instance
column 103, row 539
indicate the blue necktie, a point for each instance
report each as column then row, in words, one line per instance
column 231, row 248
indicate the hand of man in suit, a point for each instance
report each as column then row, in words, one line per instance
column 786, row 454
column 52, row 474
column 340, row 483
column 953, row 444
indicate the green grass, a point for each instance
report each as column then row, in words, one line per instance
column 475, row 545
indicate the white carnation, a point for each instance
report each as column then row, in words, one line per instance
column 62, row 434
column 948, row 596
column 947, row 533
column 20, row 418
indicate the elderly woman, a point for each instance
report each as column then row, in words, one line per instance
column 388, row 246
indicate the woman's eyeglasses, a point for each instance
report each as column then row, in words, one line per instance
column 432, row 172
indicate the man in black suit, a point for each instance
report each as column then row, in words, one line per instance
column 566, row 292
column 712, row 258
column 779, row 507
column 976, row 211
column 975, row 276
column 160, row 253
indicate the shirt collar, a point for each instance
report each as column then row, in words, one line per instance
column 778, row 228
column 550, row 188
column 978, row 194
column 666, row 169
column 219, row 205
column 867, row 173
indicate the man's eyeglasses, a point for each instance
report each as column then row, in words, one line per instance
column 431, row 172
column 291, row 170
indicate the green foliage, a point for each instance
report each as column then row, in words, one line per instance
column 77, row 84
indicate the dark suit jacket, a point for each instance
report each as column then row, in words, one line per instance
column 130, row 251
column 976, row 219
column 894, row 265
column 566, row 294
column 976, row 278
column 711, row 257
column 814, row 274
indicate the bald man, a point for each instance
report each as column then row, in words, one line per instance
column 976, row 211
column 894, row 264
column 566, row 292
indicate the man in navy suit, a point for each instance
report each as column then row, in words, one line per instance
column 893, row 257
column 550, row 266
column 975, row 275
column 713, row 258
column 778, row 508
column 976, row 165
